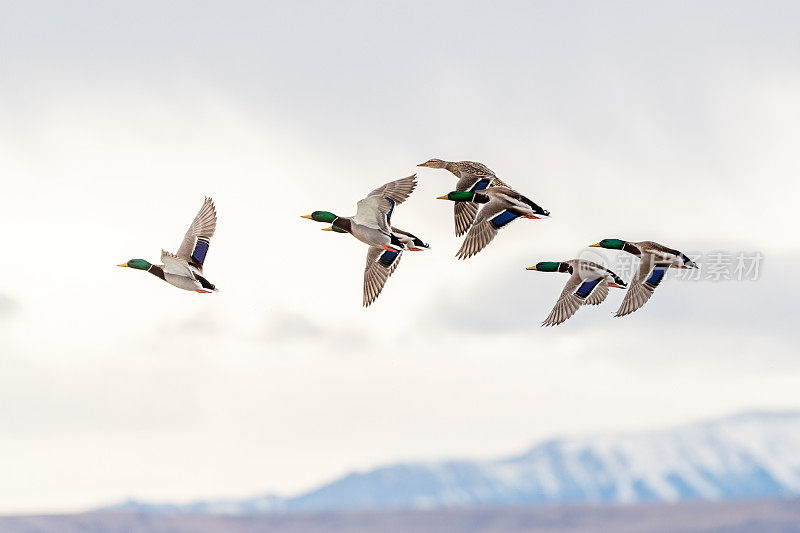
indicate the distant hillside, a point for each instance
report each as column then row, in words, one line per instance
column 749, row 456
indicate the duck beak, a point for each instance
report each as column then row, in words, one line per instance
column 123, row 265
column 425, row 164
column 330, row 228
column 309, row 217
column 442, row 197
column 616, row 286
column 531, row 268
column 594, row 245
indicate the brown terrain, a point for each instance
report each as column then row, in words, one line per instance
column 738, row 517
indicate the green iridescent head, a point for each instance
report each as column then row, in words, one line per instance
column 322, row 216
column 546, row 266
column 611, row 244
column 458, row 196
column 138, row 264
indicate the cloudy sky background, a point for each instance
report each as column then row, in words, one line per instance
column 678, row 123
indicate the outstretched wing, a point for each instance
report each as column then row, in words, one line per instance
column 195, row 243
column 464, row 214
column 397, row 190
column 576, row 292
column 380, row 265
column 642, row 287
column 375, row 210
column 474, row 177
column 176, row 265
column 599, row 294
column 491, row 218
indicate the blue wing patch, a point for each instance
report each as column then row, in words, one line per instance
column 656, row 277
column 481, row 184
column 391, row 209
column 503, row 218
column 586, row 288
column 387, row 258
column 200, row 250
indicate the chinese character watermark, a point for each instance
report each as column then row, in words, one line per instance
column 714, row 266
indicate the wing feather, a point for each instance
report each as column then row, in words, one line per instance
column 598, row 295
column 568, row 302
column 380, row 265
column 176, row 265
column 471, row 178
column 195, row 243
column 397, row 190
column 481, row 233
column 464, row 214
column 494, row 215
column 374, row 210
column 639, row 292
column 577, row 292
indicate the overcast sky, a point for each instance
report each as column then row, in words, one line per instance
column 676, row 123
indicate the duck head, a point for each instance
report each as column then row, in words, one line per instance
column 610, row 244
column 322, row 216
column 329, row 218
column 138, row 264
column 549, row 266
column 434, row 163
column 458, row 196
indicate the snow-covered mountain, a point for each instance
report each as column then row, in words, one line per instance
column 754, row 455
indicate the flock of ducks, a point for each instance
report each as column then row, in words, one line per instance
column 483, row 205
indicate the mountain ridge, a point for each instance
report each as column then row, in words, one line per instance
column 754, row 454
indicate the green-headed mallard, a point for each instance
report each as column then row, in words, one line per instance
column 656, row 259
column 588, row 285
column 185, row 269
column 372, row 225
column 472, row 176
column 502, row 206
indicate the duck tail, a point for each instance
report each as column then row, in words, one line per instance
column 411, row 241
column 207, row 285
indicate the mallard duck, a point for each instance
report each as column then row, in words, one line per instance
column 588, row 285
column 472, row 176
column 185, row 268
column 372, row 225
column 655, row 260
column 502, row 206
